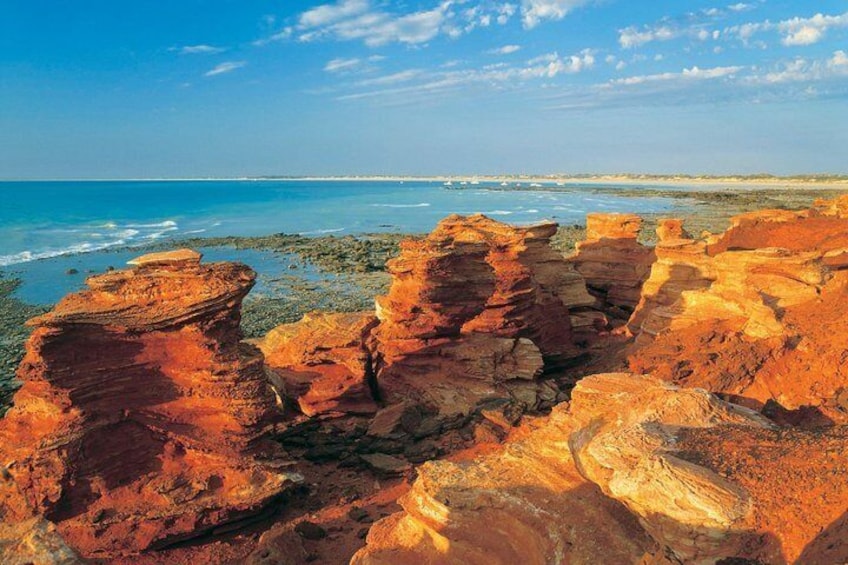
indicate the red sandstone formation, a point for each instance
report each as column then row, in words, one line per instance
column 755, row 313
column 473, row 310
column 324, row 361
column 141, row 419
column 613, row 263
column 670, row 456
column 475, row 275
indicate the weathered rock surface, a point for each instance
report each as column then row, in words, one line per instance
column 142, row 417
column 525, row 504
column 475, row 275
column 703, row 481
column 25, row 537
column 613, row 263
column 324, row 362
column 734, row 314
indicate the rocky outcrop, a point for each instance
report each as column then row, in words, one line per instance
column 524, row 504
column 753, row 313
column 475, row 275
column 474, row 313
column 142, row 418
column 702, row 480
column 682, row 264
column 324, row 362
column 25, row 537
column 612, row 261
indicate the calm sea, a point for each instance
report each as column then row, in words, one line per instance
column 47, row 227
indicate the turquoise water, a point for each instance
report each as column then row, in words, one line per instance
column 47, row 228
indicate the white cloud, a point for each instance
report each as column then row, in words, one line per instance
column 694, row 73
column 331, row 13
column 632, row 37
column 341, row 64
column 794, row 32
column 505, row 50
column 806, row 31
column 376, row 23
column 198, row 49
column 740, row 7
column 497, row 75
column 804, row 70
column 225, row 67
column 401, row 76
column 534, row 11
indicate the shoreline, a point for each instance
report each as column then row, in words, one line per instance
column 741, row 181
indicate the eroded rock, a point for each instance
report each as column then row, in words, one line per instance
column 142, row 417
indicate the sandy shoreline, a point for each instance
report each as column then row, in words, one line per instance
column 740, row 182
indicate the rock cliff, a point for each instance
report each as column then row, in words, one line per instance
column 142, row 418
column 612, row 261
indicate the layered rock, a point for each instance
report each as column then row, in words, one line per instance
column 142, row 418
column 681, row 264
column 734, row 314
column 324, row 362
column 612, row 261
column 524, row 504
column 475, row 275
column 703, row 481
column 474, row 313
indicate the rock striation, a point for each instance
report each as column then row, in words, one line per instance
column 475, row 275
column 613, row 263
column 738, row 313
column 324, row 362
column 142, row 417
column 634, row 471
column 476, row 311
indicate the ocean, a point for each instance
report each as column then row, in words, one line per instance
column 47, row 228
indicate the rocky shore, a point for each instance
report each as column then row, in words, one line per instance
column 499, row 401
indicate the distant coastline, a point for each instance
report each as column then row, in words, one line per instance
column 739, row 181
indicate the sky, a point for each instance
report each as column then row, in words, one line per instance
column 228, row 88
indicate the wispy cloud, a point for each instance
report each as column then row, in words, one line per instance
column 633, row 37
column 535, row 11
column 505, row 50
column 691, row 74
column 198, row 49
column 373, row 24
column 547, row 66
column 341, row 64
column 804, row 70
column 794, row 31
column 225, row 67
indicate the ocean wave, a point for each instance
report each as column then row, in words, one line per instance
column 110, row 234
column 193, row 231
column 165, row 224
column 318, row 232
column 85, row 247
column 498, row 213
column 530, row 211
column 420, row 205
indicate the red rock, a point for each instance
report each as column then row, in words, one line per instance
column 613, row 263
column 324, row 362
column 683, row 476
column 142, row 418
column 475, row 275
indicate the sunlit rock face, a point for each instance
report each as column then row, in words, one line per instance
column 142, row 417
column 324, row 362
column 755, row 313
column 634, row 471
column 526, row 504
column 612, row 261
column 476, row 275
column 476, row 311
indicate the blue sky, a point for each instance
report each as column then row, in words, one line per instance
column 104, row 89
